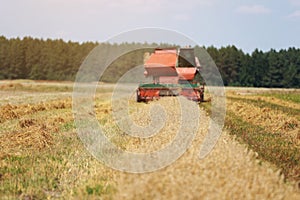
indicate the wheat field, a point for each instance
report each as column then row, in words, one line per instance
column 41, row 156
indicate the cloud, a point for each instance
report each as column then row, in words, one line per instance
column 295, row 14
column 182, row 17
column 295, row 2
column 253, row 9
column 153, row 6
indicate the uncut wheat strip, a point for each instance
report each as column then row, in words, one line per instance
column 141, row 116
column 30, row 98
column 9, row 112
column 271, row 120
column 162, row 137
column 272, row 100
column 229, row 172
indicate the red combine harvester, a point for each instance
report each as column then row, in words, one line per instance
column 174, row 73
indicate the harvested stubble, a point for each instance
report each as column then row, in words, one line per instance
column 33, row 134
column 30, row 138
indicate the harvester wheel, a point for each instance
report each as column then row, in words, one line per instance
column 202, row 97
column 138, row 97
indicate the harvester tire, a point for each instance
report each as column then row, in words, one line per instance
column 138, row 97
column 202, row 97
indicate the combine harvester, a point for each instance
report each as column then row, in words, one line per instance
column 174, row 73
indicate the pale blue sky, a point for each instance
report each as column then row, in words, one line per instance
column 248, row 24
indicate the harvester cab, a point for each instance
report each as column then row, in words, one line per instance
column 174, row 73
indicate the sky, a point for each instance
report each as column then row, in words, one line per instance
column 247, row 24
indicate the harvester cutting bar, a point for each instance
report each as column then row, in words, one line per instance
column 148, row 92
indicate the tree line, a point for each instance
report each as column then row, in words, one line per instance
column 39, row 59
column 259, row 69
